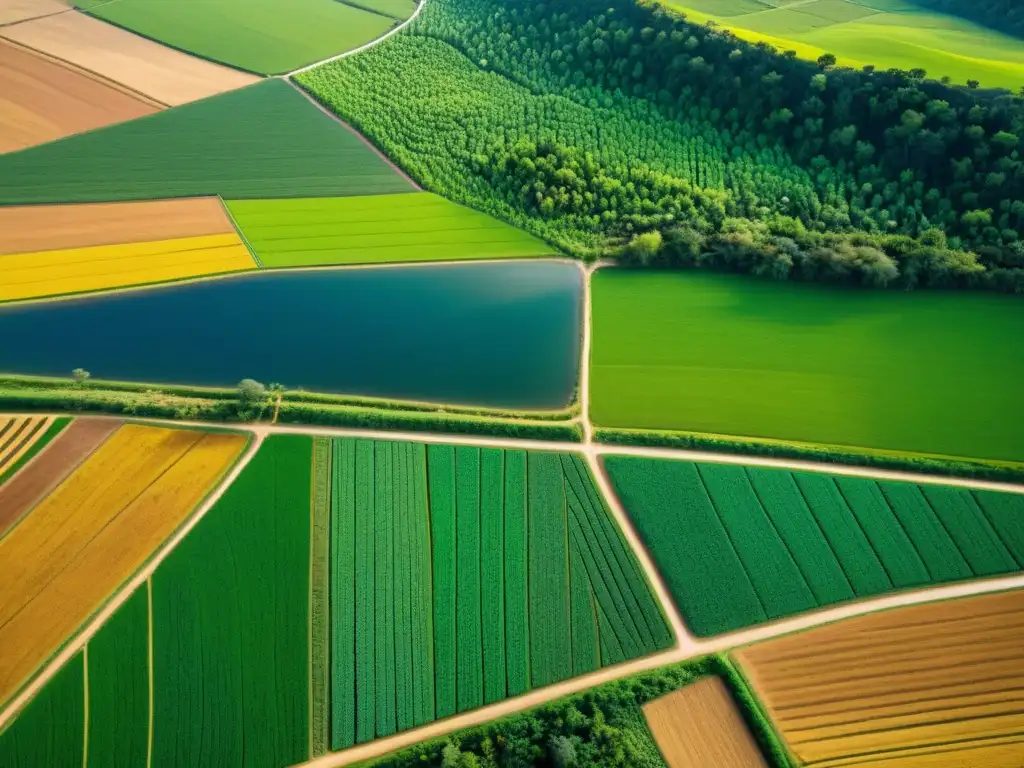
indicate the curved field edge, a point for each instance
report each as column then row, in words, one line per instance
column 619, row 702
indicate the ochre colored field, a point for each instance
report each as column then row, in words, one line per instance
column 699, row 726
column 80, row 270
column 42, row 100
column 932, row 685
column 168, row 76
column 63, row 560
column 28, row 228
column 17, row 435
column 20, row 10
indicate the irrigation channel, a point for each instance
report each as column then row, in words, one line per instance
column 687, row 646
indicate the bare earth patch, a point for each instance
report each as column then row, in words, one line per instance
column 42, row 99
column 47, row 470
column 12, row 11
column 699, row 726
column 161, row 73
column 26, row 229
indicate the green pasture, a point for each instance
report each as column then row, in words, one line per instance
column 265, row 36
column 376, row 229
column 739, row 546
column 927, row 372
column 882, row 33
column 266, row 140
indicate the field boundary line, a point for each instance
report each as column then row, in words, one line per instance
column 149, row 660
column 16, row 22
column 698, row 648
column 85, row 706
column 365, row 141
column 364, row 47
column 85, row 633
column 240, row 233
column 584, row 376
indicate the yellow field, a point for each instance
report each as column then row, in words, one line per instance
column 922, row 687
column 18, row 435
column 98, row 527
column 699, row 726
column 79, row 270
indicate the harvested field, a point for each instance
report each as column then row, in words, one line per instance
column 42, row 99
column 24, row 229
column 18, row 435
column 83, row 270
column 931, row 685
column 81, row 542
column 168, row 76
column 20, row 494
column 13, row 11
column 699, row 726
column 418, row 226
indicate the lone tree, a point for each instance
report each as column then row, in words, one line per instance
column 80, row 375
column 252, row 398
column 276, row 391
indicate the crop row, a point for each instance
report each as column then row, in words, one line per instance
column 462, row 576
column 741, row 545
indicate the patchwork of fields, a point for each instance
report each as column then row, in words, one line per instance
column 929, row 686
column 376, row 229
column 736, row 356
column 65, row 558
column 261, row 36
column 882, row 33
column 19, row 437
column 529, row 580
column 743, row 545
column 267, row 140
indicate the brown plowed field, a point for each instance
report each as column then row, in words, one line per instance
column 33, row 228
column 47, row 470
column 699, row 726
column 939, row 684
column 164, row 74
column 42, row 100
column 20, row 10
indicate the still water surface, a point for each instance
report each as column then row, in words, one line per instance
column 504, row 335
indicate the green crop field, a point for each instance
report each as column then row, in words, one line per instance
column 742, row 545
column 376, row 229
column 462, row 576
column 396, row 9
column 50, row 731
column 266, row 140
column 924, row 372
column 231, row 622
column 264, row 36
column 119, row 686
column 881, row 33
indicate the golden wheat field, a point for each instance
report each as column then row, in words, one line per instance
column 79, row 270
column 932, row 685
column 699, row 726
column 18, row 435
column 73, row 550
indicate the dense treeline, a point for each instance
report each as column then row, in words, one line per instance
column 1005, row 15
column 613, row 128
column 600, row 728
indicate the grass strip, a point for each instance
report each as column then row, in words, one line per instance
column 319, row 599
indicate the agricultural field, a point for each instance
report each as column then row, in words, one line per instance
column 43, row 99
column 60, row 562
column 267, row 140
column 881, row 33
column 22, row 437
column 52, row 250
column 376, row 229
column 263, row 36
column 739, row 546
column 21, row 10
column 462, row 576
column 928, row 686
column 699, row 726
column 737, row 356
column 161, row 74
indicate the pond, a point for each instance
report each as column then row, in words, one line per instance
column 503, row 335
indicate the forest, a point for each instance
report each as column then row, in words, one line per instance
column 616, row 128
column 1005, row 15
